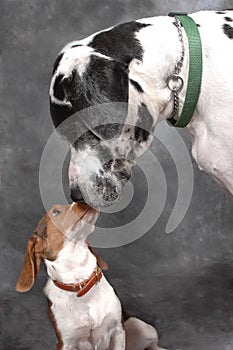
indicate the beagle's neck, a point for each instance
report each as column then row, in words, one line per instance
column 73, row 264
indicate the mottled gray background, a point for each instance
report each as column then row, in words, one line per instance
column 181, row 283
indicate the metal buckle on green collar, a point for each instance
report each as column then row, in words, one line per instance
column 195, row 70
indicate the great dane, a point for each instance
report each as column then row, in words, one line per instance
column 119, row 77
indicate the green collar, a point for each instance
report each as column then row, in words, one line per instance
column 195, row 70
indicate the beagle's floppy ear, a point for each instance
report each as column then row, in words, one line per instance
column 101, row 263
column 31, row 264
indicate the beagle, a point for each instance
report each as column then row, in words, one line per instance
column 83, row 307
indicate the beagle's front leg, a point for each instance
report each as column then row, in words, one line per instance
column 118, row 339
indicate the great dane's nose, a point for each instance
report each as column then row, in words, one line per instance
column 76, row 195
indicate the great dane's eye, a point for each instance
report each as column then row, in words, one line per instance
column 55, row 212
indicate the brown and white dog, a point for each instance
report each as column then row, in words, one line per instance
column 83, row 307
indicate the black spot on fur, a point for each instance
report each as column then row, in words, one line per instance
column 108, row 131
column 228, row 19
column 67, row 89
column 220, row 12
column 73, row 92
column 136, row 85
column 140, row 134
column 57, row 88
column 198, row 25
column 145, row 119
column 76, row 45
column 107, row 166
column 228, row 30
column 120, row 42
column 105, row 81
column 88, row 138
column 63, row 89
column 119, row 163
column 56, row 63
column 144, row 124
column 94, row 136
column 59, row 113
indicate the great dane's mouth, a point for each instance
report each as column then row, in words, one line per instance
column 97, row 174
column 99, row 191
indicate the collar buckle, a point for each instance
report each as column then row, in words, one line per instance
column 83, row 287
column 96, row 274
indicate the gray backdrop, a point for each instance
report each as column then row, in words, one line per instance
column 180, row 282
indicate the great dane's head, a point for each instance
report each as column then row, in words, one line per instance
column 109, row 125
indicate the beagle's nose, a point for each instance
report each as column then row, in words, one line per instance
column 76, row 195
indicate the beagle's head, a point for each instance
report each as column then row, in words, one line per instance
column 61, row 223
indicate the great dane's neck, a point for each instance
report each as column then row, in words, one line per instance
column 161, row 51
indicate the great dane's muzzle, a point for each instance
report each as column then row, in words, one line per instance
column 104, row 186
column 76, row 195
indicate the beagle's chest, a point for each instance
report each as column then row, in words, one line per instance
column 87, row 322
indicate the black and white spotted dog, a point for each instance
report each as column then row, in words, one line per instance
column 121, row 73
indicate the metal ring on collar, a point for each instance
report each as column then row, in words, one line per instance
column 175, row 83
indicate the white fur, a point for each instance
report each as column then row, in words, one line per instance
column 211, row 127
column 83, row 163
column 92, row 321
column 140, row 335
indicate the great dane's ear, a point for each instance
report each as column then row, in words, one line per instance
column 31, row 264
column 101, row 263
column 104, row 80
column 116, row 74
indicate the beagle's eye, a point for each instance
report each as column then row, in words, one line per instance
column 56, row 212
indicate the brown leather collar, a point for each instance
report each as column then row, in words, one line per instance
column 83, row 287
